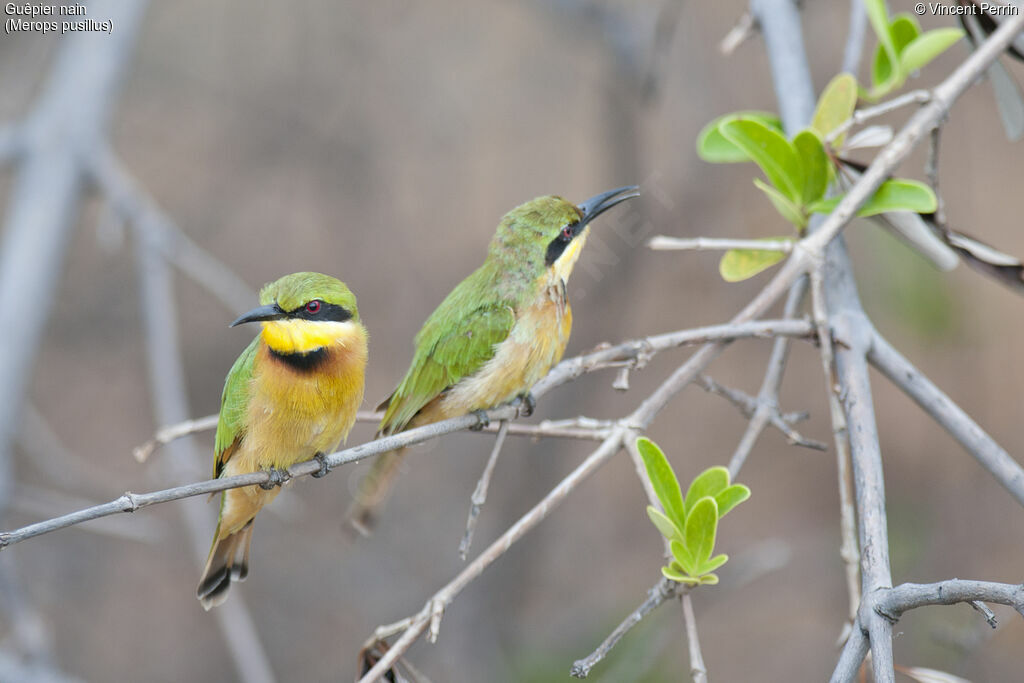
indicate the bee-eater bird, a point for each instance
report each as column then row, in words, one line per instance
column 496, row 334
column 292, row 395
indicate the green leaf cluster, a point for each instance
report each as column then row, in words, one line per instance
column 902, row 48
column 798, row 170
column 690, row 523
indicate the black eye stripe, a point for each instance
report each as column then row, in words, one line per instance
column 327, row 312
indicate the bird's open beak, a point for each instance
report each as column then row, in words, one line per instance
column 269, row 312
column 595, row 206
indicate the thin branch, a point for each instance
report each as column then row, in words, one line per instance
column 656, row 596
column 166, row 435
column 479, row 496
column 861, row 115
column 638, row 352
column 931, row 169
column 431, row 613
column 668, row 243
column 848, row 550
column 767, row 409
column 738, row 34
column 41, row 502
column 697, row 668
column 887, row 605
column 747, row 405
column 948, row 415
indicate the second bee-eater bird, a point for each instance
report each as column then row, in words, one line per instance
column 497, row 333
column 292, row 395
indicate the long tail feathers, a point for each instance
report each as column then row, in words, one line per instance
column 228, row 561
column 373, row 491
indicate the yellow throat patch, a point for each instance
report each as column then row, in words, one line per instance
column 303, row 336
column 563, row 265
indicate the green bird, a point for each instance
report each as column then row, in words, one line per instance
column 292, row 395
column 496, row 334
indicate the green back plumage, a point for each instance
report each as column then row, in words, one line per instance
column 233, row 405
column 462, row 333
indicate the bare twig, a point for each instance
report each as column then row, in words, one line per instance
column 766, row 411
column 931, row 169
column 747, row 405
column 41, row 502
column 480, row 493
column 738, row 34
column 697, row 669
column 948, row 415
column 848, row 524
column 861, row 115
column 667, row 243
column 431, row 614
column 165, row 435
column 656, row 595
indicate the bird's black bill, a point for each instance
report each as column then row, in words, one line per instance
column 595, row 206
column 269, row 312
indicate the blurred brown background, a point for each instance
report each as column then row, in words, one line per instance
column 381, row 143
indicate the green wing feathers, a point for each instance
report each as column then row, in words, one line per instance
column 233, row 404
column 448, row 348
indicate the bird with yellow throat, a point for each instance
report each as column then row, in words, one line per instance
column 291, row 396
column 496, row 334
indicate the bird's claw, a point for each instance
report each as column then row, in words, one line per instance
column 276, row 477
column 324, row 469
column 527, row 404
column 482, row 421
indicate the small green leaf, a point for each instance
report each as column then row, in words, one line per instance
column 898, row 194
column 701, row 525
column 708, row 580
column 710, row 482
column 663, row 479
column 927, row 47
column 684, row 557
column 713, row 147
column 665, row 525
column 835, row 106
column 787, row 209
column 879, row 18
column 771, row 151
column 730, row 498
column 887, row 71
column 673, row 575
column 904, row 29
column 815, row 165
column 740, row 264
column 712, row 564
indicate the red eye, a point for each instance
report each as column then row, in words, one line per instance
column 313, row 307
column 567, row 233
